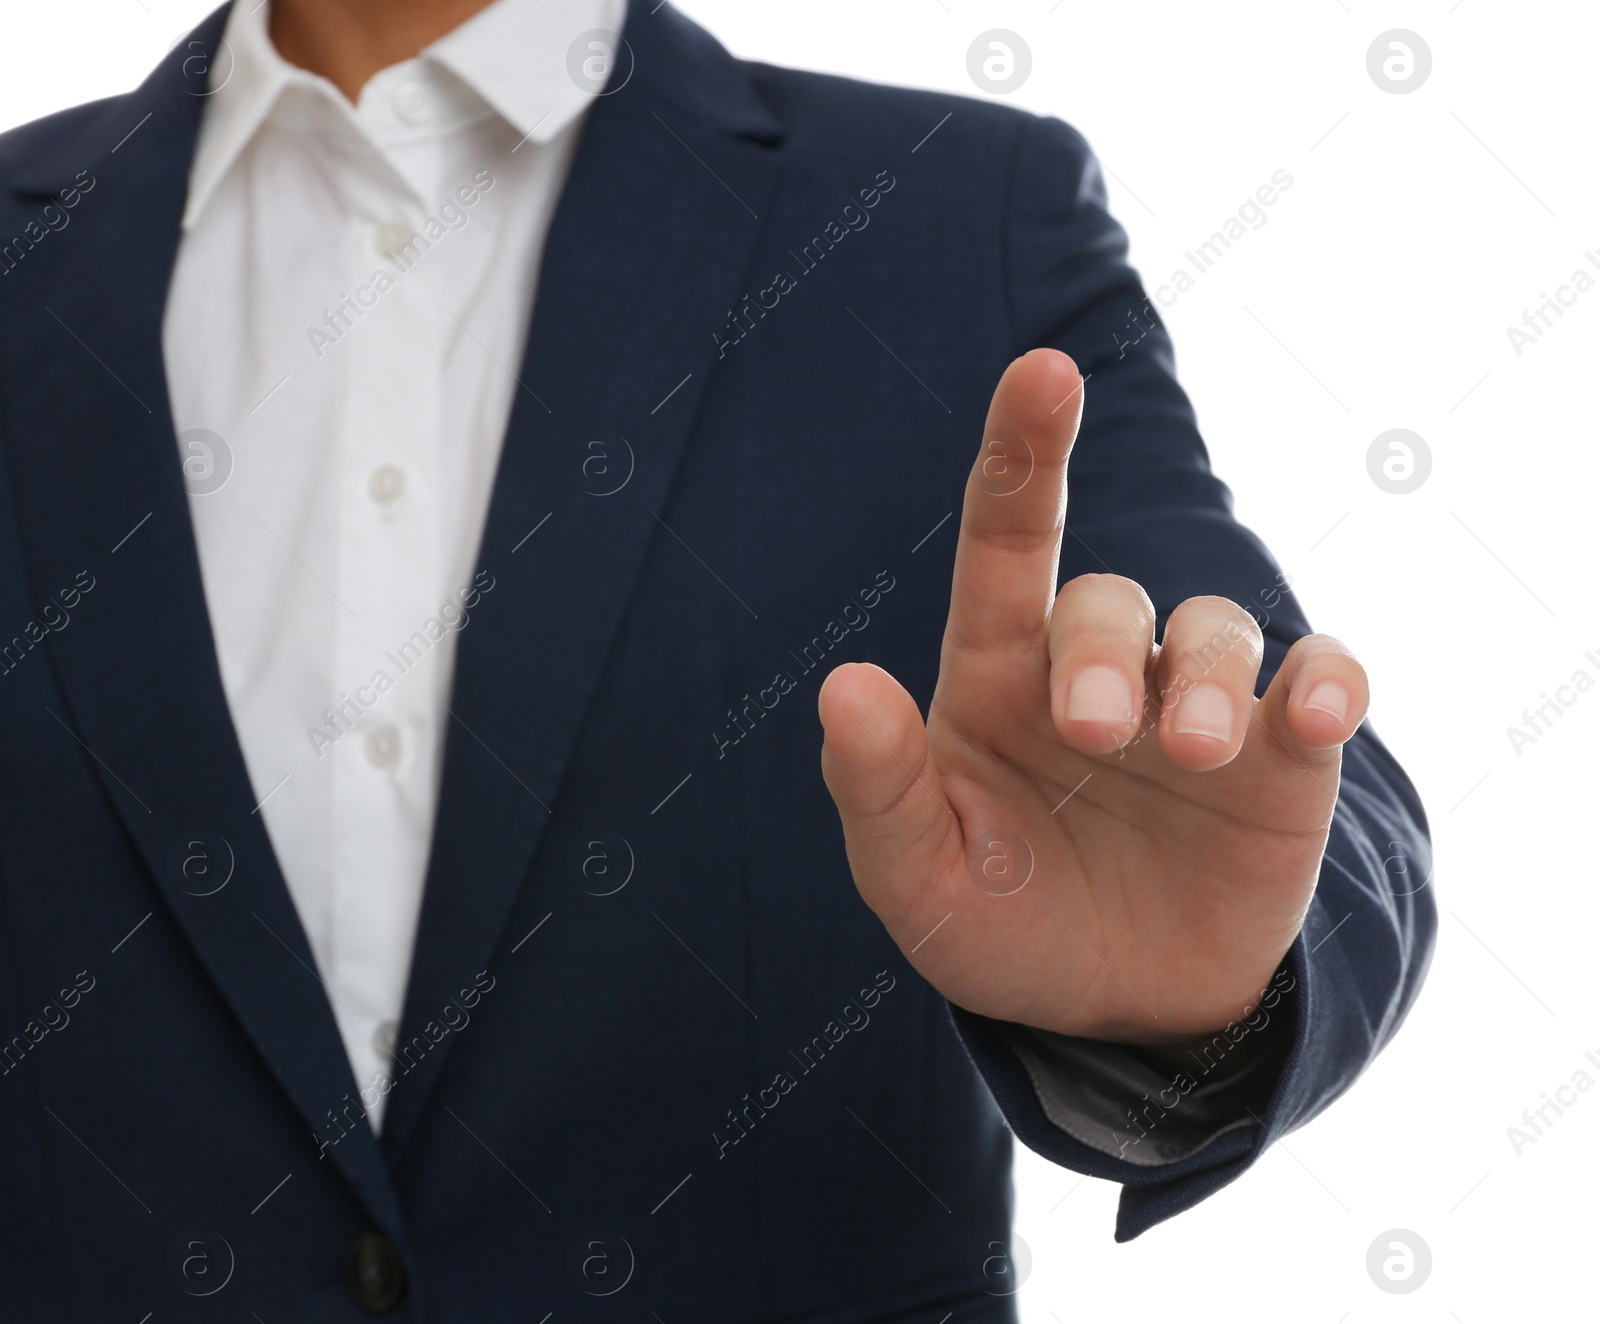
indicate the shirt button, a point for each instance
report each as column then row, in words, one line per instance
column 373, row 1273
column 413, row 103
column 390, row 238
column 383, row 746
column 383, row 1039
column 386, row 483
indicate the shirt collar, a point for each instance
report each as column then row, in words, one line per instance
column 517, row 55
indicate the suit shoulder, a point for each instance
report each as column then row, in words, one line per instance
column 39, row 142
column 829, row 113
column 38, row 157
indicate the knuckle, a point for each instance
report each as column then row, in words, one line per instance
column 1214, row 631
column 1216, row 604
column 1116, row 592
column 1210, row 613
column 1138, row 600
column 1326, row 646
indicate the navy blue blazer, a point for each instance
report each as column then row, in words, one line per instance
column 659, row 1060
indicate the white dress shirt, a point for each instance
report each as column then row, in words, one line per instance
column 348, row 310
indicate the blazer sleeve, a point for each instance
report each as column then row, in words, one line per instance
column 1144, row 503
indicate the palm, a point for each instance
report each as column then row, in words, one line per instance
column 1089, row 869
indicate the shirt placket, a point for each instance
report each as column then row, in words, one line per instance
column 390, row 579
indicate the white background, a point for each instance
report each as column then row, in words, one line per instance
column 1378, row 295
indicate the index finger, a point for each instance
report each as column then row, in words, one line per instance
column 1015, row 506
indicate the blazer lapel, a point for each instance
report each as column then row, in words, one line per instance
column 648, row 249
column 98, row 488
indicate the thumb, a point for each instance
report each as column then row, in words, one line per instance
column 876, row 766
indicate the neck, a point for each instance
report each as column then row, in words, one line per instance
column 347, row 41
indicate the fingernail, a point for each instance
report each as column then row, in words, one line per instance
column 1328, row 696
column 1206, row 710
column 1100, row 694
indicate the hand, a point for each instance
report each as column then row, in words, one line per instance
column 1090, row 835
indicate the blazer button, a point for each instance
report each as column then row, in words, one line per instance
column 373, row 1273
